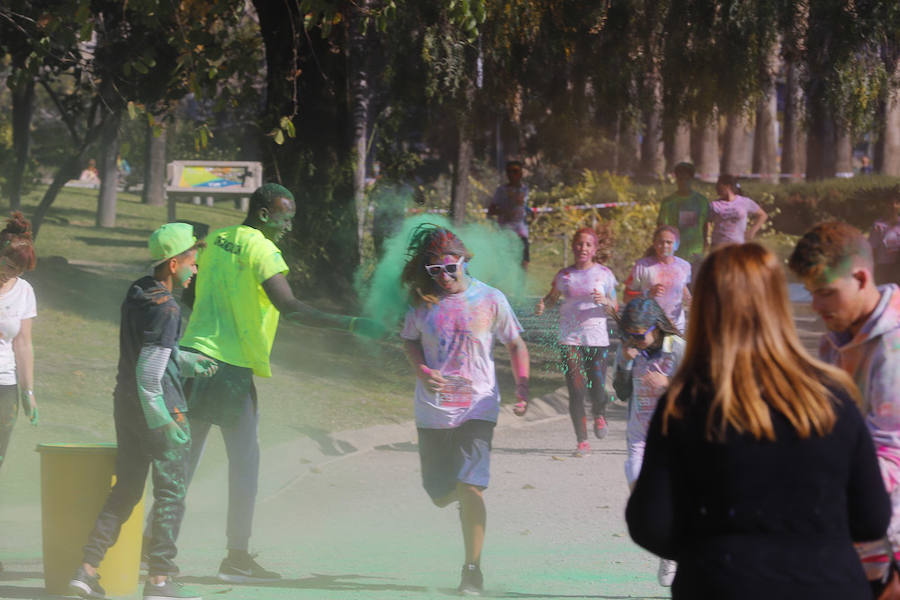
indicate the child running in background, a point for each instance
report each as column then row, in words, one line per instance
column 450, row 331
column 885, row 240
column 588, row 293
column 663, row 276
column 651, row 352
column 730, row 213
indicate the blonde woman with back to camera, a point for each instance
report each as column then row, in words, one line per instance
column 759, row 472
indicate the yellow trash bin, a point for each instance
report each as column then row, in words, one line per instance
column 75, row 480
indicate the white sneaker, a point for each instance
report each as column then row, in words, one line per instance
column 666, row 572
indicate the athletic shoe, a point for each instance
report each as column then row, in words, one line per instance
column 86, row 586
column 168, row 590
column 244, row 570
column 600, row 427
column 666, row 572
column 472, row 581
column 584, row 449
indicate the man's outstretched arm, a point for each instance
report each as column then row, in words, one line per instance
column 282, row 297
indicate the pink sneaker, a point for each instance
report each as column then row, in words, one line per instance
column 600, row 428
column 584, row 449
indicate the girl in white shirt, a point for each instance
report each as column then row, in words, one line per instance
column 17, row 311
column 588, row 292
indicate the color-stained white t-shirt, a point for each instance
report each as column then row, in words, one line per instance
column 457, row 336
column 649, row 271
column 729, row 219
column 16, row 304
column 582, row 322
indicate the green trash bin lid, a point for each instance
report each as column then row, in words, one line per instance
column 63, row 448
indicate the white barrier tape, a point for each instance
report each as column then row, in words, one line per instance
column 539, row 209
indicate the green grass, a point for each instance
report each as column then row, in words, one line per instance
column 322, row 380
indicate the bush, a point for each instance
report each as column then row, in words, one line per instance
column 796, row 207
column 631, row 225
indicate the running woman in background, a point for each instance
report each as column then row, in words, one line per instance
column 730, row 213
column 450, row 331
column 663, row 276
column 885, row 240
column 588, row 293
column 651, row 352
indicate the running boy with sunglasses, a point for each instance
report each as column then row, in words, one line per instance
column 450, row 330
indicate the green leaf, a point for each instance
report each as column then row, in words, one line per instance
column 279, row 137
column 132, row 111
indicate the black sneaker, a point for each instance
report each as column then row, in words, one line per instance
column 244, row 570
column 86, row 586
column 472, row 581
column 168, row 590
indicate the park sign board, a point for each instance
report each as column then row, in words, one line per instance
column 205, row 177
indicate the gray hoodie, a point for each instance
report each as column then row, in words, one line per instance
column 872, row 358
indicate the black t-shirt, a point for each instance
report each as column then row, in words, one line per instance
column 150, row 317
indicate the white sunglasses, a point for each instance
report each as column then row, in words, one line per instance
column 450, row 269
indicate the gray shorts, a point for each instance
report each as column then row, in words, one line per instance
column 457, row 455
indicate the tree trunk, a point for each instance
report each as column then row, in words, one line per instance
column 765, row 141
column 68, row 170
column 109, row 175
column 791, row 149
column 737, row 144
column 820, row 139
column 359, row 98
column 843, row 151
column 890, row 136
column 22, row 109
column 681, row 145
column 628, row 148
column 652, row 158
column 708, row 149
column 154, row 192
column 462, row 168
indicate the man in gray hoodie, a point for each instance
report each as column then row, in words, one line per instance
column 834, row 261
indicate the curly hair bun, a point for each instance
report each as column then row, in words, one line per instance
column 17, row 224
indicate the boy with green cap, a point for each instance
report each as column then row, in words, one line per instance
column 149, row 410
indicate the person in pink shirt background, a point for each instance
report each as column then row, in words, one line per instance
column 588, row 293
column 663, row 276
column 730, row 213
column 885, row 240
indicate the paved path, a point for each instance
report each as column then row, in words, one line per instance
column 343, row 519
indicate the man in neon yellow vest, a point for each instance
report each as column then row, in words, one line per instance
column 240, row 292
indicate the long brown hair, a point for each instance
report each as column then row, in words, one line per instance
column 741, row 341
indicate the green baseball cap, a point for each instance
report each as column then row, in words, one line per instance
column 169, row 241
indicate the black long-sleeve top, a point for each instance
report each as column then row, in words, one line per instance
column 749, row 518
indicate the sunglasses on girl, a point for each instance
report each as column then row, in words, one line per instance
column 450, row 269
column 638, row 336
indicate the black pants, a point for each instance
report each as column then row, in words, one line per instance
column 139, row 448
column 586, row 376
column 9, row 410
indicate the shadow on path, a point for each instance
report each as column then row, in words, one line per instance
column 328, row 445
column 598, row 596
column 317, row 581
